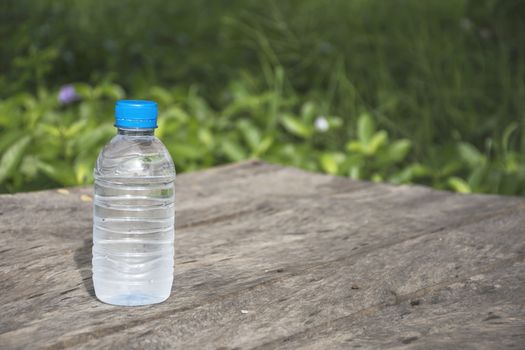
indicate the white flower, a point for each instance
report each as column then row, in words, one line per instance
column 321, row 124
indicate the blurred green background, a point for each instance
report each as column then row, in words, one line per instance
column 404, row 91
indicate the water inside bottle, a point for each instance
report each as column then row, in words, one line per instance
column 133, row 233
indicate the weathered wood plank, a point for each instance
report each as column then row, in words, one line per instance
column 483, row 311
column 321, row 293
column 282, row 244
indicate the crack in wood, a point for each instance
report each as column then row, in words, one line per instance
column 69, row 290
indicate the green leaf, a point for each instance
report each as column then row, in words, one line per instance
column 92, row 139
column 355, row 146
column 476, row 178
column 206, row 137
column 296, row 126
column 354, row 160
column 175, row 113
column 329, row 163
column 410, row 173
column 83, row 171
column 265, row 144
column 50, row 130
column 470, row 154
column 233, row 151
column 355, row 172
column 60, row 171
column 397, row 151
column 112, row 91
column 8, row 138
column 334, row 122
column 185, row 151
column 449, row 168
column 198, row 106
column 511, row 162
column 308, row 111
column 507, row 133
column 377, row 178
column 84, row 90
column 161, row 95
column 458, row 185
column 365, row 128
column 75, row 128
column 378, row 140
column 250, row 134
column 28, row 166
column 12, row 157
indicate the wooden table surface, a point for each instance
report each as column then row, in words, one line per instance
column 271, row 257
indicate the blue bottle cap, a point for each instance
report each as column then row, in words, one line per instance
column 136, row 114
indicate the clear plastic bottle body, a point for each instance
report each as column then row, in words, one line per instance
column 133, row 220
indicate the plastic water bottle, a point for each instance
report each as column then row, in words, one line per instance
column 134, row 215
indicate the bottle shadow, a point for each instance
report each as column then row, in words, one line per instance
column 82, row 258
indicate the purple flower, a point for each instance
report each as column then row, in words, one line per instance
column 67, row 94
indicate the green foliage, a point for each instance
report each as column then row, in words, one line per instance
column 58, row 145
column 406, row 91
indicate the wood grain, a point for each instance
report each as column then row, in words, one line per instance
column 271, row 257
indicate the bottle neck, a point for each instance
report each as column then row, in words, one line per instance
column 136, row 132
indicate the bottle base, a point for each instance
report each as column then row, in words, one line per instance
column 132, row 299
